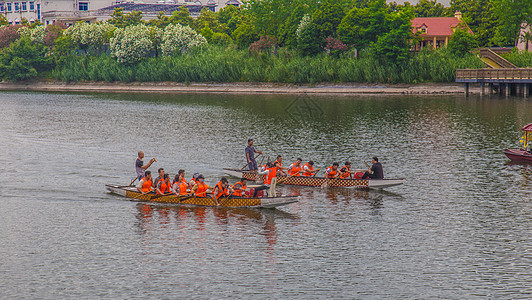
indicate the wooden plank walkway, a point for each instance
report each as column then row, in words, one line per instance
column 514, row 81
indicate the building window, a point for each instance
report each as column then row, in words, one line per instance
column 84, row 6
column 24, row 6
column 17, row 7
column 32, row 6
column 9, row 9
column 2, row 7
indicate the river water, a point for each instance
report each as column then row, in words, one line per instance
column 460, row 227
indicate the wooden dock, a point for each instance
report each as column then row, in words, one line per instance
column 514, row 81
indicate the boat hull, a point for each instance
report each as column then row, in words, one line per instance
column 518, row 155
column 320, row 181
column 133, row 194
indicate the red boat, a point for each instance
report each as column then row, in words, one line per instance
column 522, row 154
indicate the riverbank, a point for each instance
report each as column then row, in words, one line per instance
column 243, row 88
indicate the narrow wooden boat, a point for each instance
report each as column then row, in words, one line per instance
column 320, row 181
column 522, row 155
column 262, row 202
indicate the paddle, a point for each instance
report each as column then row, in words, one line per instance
column 316, row 172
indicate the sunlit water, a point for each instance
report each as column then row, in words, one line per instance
column 459, row 228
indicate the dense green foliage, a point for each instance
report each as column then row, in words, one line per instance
column 299, row 41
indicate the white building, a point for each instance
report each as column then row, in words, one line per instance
column 71, row 11
column 15, row 11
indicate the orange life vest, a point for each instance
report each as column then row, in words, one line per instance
column 272, row 172
column 239, row 192
column 294, row 171
column 202, row 189
column 146, row 186
column 221, row 191
column 165, row 188
column 331, row 173
column 279, row 165
column 310, row 168
column 182, row 187
column 345, row 172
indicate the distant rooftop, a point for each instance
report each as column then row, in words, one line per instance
column 437, row 26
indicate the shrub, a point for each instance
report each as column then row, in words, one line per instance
column 177, row 39
column 23, row 60
column 131, row 44
column 8, row 34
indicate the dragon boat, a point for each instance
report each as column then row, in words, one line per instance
column 319, row 181
column 248, row 202
column 522, row 155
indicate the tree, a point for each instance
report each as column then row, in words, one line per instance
column 326, row 19
column 362, row 26
column 121, row 20
column 8, row 34
column 287, row 30
column 479, row 16
column 510, row 15
column 394, row 46
column 244, row 35
column 461, row 42
column 3, row 20
column 24, row 60
column 429, row 8
column 182, row 16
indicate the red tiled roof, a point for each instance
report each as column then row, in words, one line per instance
column 438, row 26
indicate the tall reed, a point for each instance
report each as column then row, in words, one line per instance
column 217, row 64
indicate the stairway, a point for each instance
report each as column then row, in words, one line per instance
column 493, row 60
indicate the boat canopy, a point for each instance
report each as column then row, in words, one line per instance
column 527, row 127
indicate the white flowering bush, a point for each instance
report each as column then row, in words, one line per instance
column 178, row 38
column 302, row 25
column 131, row 44
column 36, row 34
column 90, row 35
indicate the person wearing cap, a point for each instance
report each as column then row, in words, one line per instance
column 375, row 172
column 200, row 188
column 250, row 156
column 345, row 171
column 308, row 169
column 140, row 167
column 193, row 180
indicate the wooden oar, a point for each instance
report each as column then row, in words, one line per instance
column 326, row 183
column 316, row 172
column 366, row 164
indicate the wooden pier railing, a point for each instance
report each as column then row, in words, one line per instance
column 479, row 75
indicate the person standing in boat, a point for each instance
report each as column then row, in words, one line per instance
column 270, row 180
column 145, row 185
column 375, row 172
column 250, row 156
column 140, row 168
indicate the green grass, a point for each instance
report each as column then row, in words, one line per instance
column 520, row 59
column 216, row 64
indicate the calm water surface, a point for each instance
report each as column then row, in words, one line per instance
column 459, row 228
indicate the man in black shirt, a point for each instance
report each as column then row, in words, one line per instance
column 375, row 172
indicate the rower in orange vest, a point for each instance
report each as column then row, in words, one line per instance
column 180, row 185
column 221, row 189
column 200, row 188
column 164, row 186
column 345, row 171
column 145, row 183
column 332, row 171
column 295, row 168
column 240, row 187
column 280, row 167
column 308, row 169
